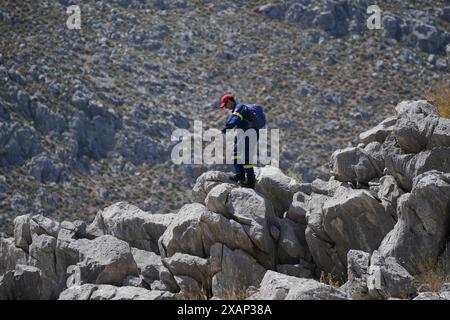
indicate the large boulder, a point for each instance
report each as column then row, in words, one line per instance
column 104, row 260
column 10, row 255
column 277, row 286
column 291, row 244
column 350, row 219
column 389, row 192
column 388, row 279
column 407, row 108
column 217, row 199
column 206, row 182
column 196, row 268
column 380, row 132
column 82, row 292
column 185, row 232
column 412, row 133
column 129, row 223
column 441, row 134
column 42, row 255
column 43, row 225
column 66, row 252
column 25, row 283
column 354, row 165
column 108, row 292
column 195, row 229
column 256, row 216
column 22, row 235
column 190, row 289
column 149, row 265
column 297, row 210
column 406, row 167
column 277, row 187
column 422, row 228
column 233, row 272
column 415, row 126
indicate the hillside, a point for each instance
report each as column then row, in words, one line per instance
column 86, row 115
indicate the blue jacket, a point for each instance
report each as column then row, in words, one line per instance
column 238, row 118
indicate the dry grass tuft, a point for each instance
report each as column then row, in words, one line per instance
column 329, row 279
column 184, row 295
column 235, row 295
column 432, row 276
column 440, row 97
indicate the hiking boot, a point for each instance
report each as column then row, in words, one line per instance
column 247, row 184
column 237, row 177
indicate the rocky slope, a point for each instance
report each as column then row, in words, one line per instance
column 86, row 116
column 374, row 230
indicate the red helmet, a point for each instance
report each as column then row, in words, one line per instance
column 225, row 99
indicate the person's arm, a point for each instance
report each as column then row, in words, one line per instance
column 236, row 120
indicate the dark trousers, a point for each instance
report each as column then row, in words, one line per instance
column 245, row 168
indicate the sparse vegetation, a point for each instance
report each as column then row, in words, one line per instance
column 440, row 97
column 329, row 279
column 235, row 295
column 184, row 295
column 2, row 152
column 432, row 276
column 296, row 175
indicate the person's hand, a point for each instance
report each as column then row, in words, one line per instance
column 216, row 132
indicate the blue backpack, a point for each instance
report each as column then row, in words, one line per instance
column 258, row 118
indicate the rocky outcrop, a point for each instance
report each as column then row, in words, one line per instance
column 104, row 260
column 387, row 278
column 341, row 18
column 129, row 223
column 53, row 256
column 234, row 271
column 25, row 283
column 380, row 132
column 342, row 220
column 10, row 255
column 422, row 229
column 371, row 276
column 94, row 129
column 373, row 226
column 246, row 226
column 108, row 292
column 400, row 199
column 277, row 187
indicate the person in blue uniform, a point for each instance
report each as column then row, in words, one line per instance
column 240, row 118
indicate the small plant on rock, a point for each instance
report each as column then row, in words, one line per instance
column 329, row 279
